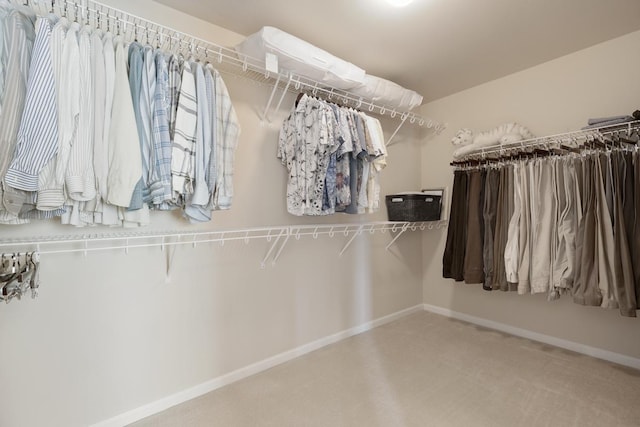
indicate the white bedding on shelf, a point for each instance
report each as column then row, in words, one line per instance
column 386, row 92
column 302, row 58
column 306, row 60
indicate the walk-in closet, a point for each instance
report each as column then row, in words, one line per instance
column 364, row 213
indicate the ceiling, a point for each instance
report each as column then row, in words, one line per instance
column 436, row 47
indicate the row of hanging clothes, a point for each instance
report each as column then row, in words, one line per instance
column 19, row 275
column 560, row 220
column 97, row 130
column 334, row 156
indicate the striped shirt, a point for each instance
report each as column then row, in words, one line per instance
column 51, row 184
column 38, row 132
column 5, row 8
column 182, row 149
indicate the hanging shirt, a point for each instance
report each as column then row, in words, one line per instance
column 125, row 163
column 51, row 179
column 175, row 84
column 160, row 186
column 211, row 172
column 196, row 205
column 183, row 149
column 98, row 87
column 109, row 215
column 343, row 175
column 18, row 35
column 38, row 133
column 304, row 148
column 5, row 8
column 226, row 140
column 140, row 102
column 377, row 163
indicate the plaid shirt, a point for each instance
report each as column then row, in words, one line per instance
column 182, row 149
column 160, row 139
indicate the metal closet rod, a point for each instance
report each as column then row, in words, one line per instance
column 572, row 137
column 243, row 66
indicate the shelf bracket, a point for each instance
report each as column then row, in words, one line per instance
column 355, row 234
column 281, row 248
column 403, row 119
column 397, row 236
column 263, row 264
column 284, row 92
column 169, row 258
column 273, row 92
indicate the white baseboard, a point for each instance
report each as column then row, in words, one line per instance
column 599, row 353
column 216, row 383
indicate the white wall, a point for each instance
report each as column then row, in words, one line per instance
column 554, row 97
column 108, row 334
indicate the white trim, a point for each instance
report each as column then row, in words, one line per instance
column 216, row 383
column 599, row 353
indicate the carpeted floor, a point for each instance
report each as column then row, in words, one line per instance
column 424, row 370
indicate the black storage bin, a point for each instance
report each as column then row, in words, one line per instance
column 413, row 207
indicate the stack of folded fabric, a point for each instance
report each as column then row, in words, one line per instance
column 613, row 120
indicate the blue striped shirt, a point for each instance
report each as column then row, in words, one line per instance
column 38, row 133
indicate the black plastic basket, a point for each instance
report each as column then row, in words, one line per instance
column 413, row 207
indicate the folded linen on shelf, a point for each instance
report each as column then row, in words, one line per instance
column 388, row 93
column 302, row 58
column 306, row 60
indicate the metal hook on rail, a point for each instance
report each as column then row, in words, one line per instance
column 315, row 233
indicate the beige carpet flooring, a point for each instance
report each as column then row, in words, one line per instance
column 424, row 370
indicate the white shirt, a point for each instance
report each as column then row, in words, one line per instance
column 125, row 163
column 80, row 173
column 109, row 211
